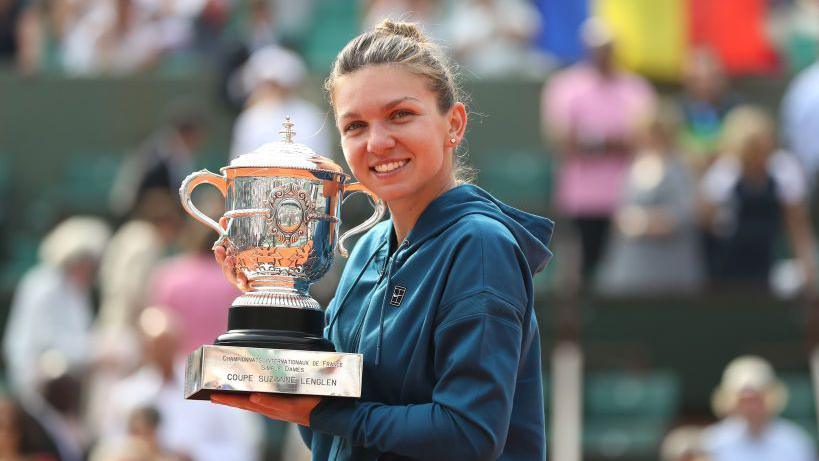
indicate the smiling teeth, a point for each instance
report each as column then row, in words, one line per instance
column 387, row 167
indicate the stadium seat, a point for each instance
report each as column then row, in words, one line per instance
column 626, row 414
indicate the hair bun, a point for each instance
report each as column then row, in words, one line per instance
column 404, row 29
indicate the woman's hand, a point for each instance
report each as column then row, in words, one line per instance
column 228, row 263
column 290, row 408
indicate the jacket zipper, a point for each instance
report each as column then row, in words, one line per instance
column 354, row 346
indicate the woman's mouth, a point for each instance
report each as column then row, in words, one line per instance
column 389, row 167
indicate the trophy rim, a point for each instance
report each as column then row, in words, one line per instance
column 345, row 176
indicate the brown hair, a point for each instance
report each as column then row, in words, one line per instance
column 405, row 44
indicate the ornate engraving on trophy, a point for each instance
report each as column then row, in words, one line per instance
column 289, row 211
column 289, row 216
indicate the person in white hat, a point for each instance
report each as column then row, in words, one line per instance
column 51, row 312
column 749, row 400
column 270, row 78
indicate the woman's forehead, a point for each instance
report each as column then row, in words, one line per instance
column 377, row 86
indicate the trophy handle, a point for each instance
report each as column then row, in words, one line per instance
column 189, row 184
column 378, row 213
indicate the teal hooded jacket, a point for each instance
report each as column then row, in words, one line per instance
column 451, row 346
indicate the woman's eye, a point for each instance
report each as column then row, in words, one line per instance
column 352, row 126
column 400, row 114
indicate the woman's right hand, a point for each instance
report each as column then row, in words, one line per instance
column 228, row 263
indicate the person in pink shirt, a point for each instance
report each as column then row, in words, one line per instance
column 195, row 290
column 591, row 112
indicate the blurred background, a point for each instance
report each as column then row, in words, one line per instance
column 674, row 142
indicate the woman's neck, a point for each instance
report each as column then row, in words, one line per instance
column 405, row 212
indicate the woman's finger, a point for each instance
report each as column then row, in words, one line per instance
column 273, row 402
column 228, row 266
column 231, row 400
column 220, row 254
column 243, row 402
column 241, row 280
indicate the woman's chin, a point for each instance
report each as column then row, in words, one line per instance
column 392, row 193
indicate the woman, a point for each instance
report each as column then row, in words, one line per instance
column 748, row 195
column 438, row 299
column 654, row 247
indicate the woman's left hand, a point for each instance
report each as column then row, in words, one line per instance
column 290, row 408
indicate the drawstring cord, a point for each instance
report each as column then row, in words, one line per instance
column 349, row 290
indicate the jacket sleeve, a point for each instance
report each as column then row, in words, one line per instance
column 477, row 350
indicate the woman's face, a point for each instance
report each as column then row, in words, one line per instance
column 394, row 138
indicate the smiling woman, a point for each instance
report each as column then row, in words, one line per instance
column 439, row 298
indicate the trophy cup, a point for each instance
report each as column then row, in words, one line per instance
column 282, row 205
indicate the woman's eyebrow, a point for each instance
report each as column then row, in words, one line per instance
column 398, row 101
column 386, row 106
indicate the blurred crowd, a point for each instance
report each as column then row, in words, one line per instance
column 120, row 37
column 656, row 192
column 685, row 192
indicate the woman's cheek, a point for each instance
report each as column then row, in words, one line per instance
column 355, row 159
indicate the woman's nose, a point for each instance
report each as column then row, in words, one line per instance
column 380, row 140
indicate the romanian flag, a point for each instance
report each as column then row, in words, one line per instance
column 653, row 37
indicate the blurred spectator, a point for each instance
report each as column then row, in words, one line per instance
column 59, row 409
column 591, row 112
column 41, row 33
column 51, row 312
column 800, row 119
column 423, row 12
column 749, row 194
column 260, row 29
column 132, row 255
column 655, row 247
column 254, row 25
column 163, row 161
column 494, row 38
column 21, row 439
column 794, row 24
column 683, row 444
column 197, row 429
column 141, row 442
column 143, row 425
column 210, row 25
column 705, row 102
column 114, row 36
column 125, row 273
column 748, row 400
column 122, row 449
column 271, row 77
column 192, row 285
column 10, row 14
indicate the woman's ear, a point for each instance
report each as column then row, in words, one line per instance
column 457, row 124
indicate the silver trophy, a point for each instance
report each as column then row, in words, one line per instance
column 283, row 204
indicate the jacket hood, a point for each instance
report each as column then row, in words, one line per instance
column 531, row 232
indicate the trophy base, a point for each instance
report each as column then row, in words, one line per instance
column 273, row 339
column 275, row 328
column 246, row 369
